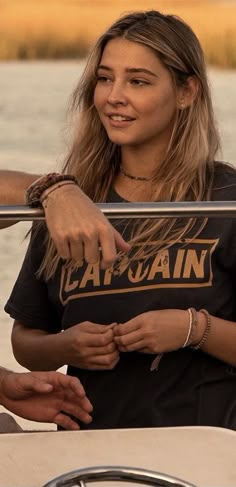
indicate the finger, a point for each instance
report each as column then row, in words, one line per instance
column 108, row 247
column 98, row 339
column 111, row 326
column 86, row 405
column 128, row 327
column 57, row 234
column 129, row 338
column 91, row 250
column 75, row 385
column 58, row 380
column 76, row 251
column 104, row 350
column 121, row 244
column 136, row 346
column 63, row 248
column 111, row 243
column 98, row 363
column 105, row 360
column 71, row 408
column 66, row 422
column 109, row 366
column 30, row 383
column 95, row 328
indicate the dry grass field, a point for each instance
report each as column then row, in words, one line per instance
column 54, row 29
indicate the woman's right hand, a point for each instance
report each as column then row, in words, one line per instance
column 90, row 346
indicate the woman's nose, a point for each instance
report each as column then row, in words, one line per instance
column 117, row 94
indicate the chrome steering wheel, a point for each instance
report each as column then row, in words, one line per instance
column 80, row 478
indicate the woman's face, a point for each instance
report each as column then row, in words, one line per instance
column 134, row 96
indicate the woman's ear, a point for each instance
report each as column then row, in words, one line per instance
column 188, row 92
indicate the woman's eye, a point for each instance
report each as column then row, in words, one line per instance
column 139, row 82
column 103, row 79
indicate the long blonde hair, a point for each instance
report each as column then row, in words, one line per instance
column 187, row 170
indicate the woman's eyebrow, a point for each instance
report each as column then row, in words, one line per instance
column 141, row 70
column 129, row 70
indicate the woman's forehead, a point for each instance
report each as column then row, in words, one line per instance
column 129, row 55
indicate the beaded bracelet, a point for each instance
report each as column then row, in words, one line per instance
column 206, row 332
column 37, row 188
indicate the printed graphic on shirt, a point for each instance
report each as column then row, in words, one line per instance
column 186, row 264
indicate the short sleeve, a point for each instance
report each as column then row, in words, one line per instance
column 29, row 302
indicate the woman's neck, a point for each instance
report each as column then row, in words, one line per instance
column 140, row 163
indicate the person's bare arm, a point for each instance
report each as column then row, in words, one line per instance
column 78, row 228
column 12, row 190
column 37, row 349
column 86, row 345
column 13, row 185
column 165, row 330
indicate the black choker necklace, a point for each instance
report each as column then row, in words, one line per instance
column 137, row 178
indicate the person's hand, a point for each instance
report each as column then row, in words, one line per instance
column 153, row 332
column 79, row 229
column 90, row 346
column 49, row 397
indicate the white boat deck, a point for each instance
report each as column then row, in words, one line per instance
column 202, row 455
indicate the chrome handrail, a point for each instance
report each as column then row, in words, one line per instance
column 78, row 478
column 222, row 209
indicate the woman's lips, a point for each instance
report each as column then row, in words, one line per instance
column 119, row 120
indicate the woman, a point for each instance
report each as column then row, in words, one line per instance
column 146, row 133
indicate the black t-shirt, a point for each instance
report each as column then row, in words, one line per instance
column 189, row 388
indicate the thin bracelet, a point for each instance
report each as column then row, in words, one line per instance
column 189, row 328
column 207, row 330
column 37, row 188
column 44, row 198
column 194, row 326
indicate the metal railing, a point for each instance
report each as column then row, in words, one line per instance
column 222, row 209
column 79, row 478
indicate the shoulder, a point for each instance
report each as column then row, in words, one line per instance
column 224, row 182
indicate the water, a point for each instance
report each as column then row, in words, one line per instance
column 33, row 101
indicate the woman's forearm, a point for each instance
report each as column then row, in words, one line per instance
column 221, row 339
column 36, row 349
column 13, row 185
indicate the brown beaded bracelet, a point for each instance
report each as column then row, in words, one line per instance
column 206, row 332
column 36, row 189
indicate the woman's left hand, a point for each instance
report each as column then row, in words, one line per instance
column 153, row 332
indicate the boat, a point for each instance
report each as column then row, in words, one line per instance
column 196, row 456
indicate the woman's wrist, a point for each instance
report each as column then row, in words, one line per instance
column 48, row 194
column 59, row 350
column 35, row 191
column 195, row 327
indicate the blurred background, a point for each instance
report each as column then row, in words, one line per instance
column 43, row 46
column 59, row 29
